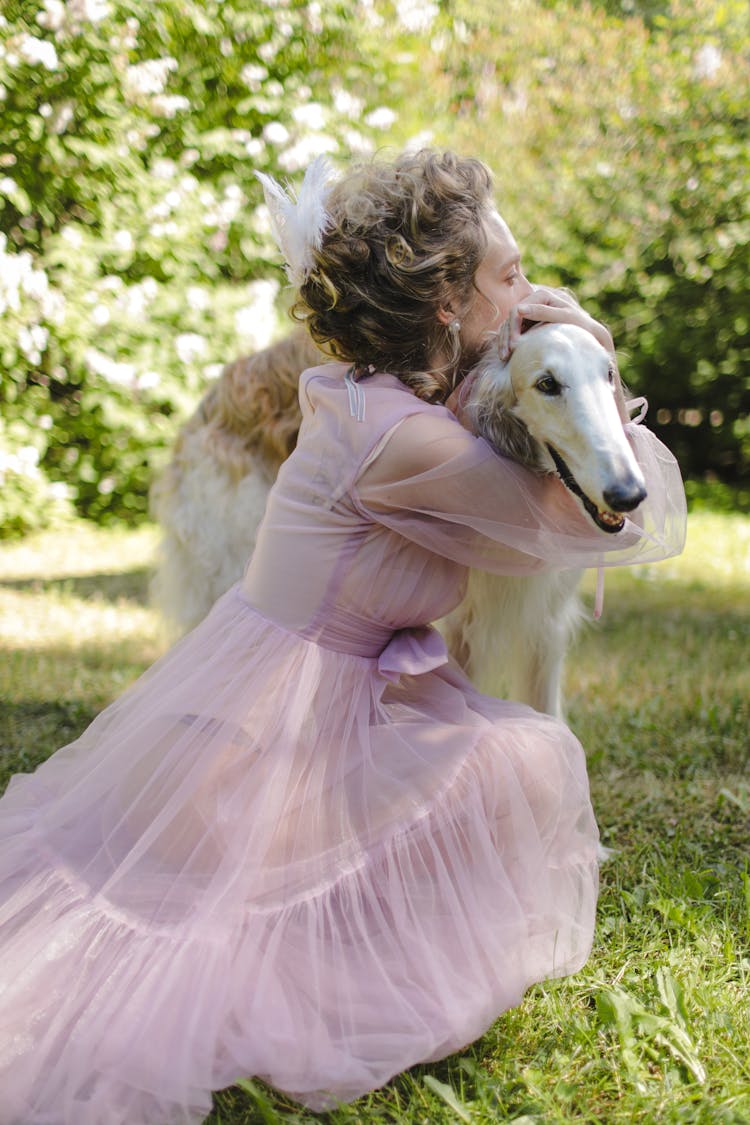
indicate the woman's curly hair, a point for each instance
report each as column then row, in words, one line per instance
column 403, row 239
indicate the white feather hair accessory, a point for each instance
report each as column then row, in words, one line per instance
column 298, row 223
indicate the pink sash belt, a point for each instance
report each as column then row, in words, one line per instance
column 411, row 652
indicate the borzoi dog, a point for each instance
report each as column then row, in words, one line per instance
column 548, row 403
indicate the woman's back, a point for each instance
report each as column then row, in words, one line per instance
column 323, row 565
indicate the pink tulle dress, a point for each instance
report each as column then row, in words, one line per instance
column 302, row 846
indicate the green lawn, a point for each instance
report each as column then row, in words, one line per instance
column 656, row 1028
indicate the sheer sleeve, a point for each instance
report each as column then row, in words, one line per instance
column 435, row 483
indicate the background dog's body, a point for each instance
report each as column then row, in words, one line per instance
column 211, row 497
column 509, row 633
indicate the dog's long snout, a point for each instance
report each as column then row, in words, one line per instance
column 624, row 497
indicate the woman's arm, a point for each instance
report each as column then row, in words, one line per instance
column 437, row 484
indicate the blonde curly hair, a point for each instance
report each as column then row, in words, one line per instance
column 403, row 239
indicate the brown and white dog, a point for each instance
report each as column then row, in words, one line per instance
column 210, row 498
column 548, row 404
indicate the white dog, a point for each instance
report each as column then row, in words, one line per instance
column 549, row 404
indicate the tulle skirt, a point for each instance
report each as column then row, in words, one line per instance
column 268, row 859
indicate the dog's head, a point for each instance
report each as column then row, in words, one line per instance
column 550, row 404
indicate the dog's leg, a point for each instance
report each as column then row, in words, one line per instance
column 511, row 635
column 539, row 671
column 479, row 632
column 551, row 614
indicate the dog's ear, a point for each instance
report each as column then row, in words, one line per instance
column 510, row 332
column 506, row 338
column 490, row 414
column 508, row 436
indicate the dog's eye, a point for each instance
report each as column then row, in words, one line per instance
column 548, row 385
column 611, row 376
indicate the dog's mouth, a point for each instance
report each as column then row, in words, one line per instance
column 602, row 517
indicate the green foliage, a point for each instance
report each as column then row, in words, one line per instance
column 715, row 496
column 622, row 154
column 665, row 1029
column 28, row 500
column 135, row 256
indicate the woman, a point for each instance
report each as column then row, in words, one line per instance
column 302, row 846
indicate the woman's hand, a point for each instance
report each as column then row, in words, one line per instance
column 558, row 306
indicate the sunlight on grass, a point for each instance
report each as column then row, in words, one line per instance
column 85, row 587
column 80, row 549
column 75, row 623
column 58, row 617
column 716, row 555
column 717, row 551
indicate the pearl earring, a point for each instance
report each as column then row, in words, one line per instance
column 455, row 326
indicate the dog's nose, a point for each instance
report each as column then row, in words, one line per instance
column 624, row 497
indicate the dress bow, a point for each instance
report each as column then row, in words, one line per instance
column 411, row 652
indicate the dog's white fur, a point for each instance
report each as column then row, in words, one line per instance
column 511, row 634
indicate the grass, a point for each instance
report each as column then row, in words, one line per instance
column 656, row 1027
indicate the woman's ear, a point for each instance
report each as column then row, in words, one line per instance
column 446, row 314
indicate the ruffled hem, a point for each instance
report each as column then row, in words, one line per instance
column 202, row 888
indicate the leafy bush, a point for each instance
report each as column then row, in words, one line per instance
column 28, row 500
column 715, row 496
column 135, row 255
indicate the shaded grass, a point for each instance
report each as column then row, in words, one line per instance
column 656, row 1027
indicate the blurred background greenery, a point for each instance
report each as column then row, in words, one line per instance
column 135, row 256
